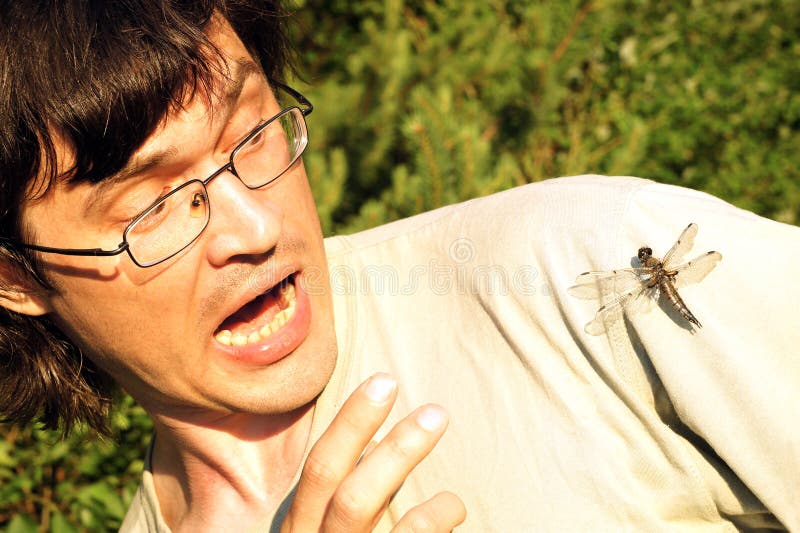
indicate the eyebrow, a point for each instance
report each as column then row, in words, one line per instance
column 244, row 69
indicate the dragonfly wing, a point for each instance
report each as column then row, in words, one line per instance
column 681, row 246
column 597, row 285
column 696, row 269
column 634, row 300
column 643, row 302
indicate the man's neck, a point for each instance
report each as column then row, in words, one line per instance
column 235, row 465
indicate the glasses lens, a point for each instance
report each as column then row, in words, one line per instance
column 272, row 150
column 170, row 225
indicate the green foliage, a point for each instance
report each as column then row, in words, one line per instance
column 421, row 103
column 427, row 103
column 75, row 483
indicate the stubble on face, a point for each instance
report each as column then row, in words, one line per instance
column 152, row 329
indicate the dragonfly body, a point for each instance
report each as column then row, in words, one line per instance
column 631, row 289
column 664, row 281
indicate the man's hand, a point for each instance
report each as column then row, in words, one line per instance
column 337, row 492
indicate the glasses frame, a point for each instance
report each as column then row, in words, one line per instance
column 305, row 109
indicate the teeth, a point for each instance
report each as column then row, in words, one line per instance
column 287, row 296
column 266, row 331
column 288, row 305
column 224, row 337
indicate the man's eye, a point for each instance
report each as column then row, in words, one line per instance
column 257, row 139
column 197, row 207
column 157, row 210
column 154, row 216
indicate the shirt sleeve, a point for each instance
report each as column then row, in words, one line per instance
column 734, row 383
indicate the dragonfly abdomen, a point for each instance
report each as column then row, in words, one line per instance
column 669, row 290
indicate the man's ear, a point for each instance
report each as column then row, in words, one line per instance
column 24, row 297
column 25, row 302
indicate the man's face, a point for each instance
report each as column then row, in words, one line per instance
column 158, row 331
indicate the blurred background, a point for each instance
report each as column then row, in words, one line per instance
column 420, row 104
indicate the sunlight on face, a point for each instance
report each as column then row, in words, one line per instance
column 153, row 329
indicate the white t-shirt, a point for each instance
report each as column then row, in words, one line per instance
column 649, row 427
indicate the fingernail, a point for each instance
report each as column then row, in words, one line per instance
column 431, row 418
column 380, row 387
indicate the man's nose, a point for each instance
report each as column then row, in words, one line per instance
column 244, row 222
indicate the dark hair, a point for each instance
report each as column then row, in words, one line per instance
column 98, row 76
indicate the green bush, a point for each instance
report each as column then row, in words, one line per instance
column 77, row 483
column 424, row 103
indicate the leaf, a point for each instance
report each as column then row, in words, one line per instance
column 103, row 494
column 60, row 524
column 22, row 524
column 56, row 452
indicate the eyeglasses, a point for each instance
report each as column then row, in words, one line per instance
column 177, row 219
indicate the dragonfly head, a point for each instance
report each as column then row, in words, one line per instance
column 644, row 254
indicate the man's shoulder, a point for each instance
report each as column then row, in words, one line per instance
column 555, row 202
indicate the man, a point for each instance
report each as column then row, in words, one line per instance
column 158, row 231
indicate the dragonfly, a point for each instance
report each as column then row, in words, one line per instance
column 635, row 289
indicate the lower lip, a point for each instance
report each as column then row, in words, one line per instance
column 282, row 342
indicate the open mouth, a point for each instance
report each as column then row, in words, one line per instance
column 261, row 317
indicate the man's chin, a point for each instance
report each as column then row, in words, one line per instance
column 290, row 384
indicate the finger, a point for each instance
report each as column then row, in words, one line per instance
column 363, row 495
column 367, row 450
column 338, row 449
column 441, row 513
